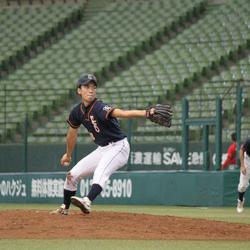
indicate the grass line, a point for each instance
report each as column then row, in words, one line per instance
column 122, row 245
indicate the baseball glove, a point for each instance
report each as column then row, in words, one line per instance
column 160, row 114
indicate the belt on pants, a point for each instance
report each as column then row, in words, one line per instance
column 110, row 142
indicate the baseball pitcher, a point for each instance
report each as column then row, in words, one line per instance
column 112, row 150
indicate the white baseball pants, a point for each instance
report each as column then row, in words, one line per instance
column 244, row 179
column 101, row 163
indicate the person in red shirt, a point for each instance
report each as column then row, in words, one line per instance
column 231, row 153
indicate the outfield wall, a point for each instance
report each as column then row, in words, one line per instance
column 46, row 157
column 184, row 188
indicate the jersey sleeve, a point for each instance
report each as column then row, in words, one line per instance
column 105, row 111
column 73, row 119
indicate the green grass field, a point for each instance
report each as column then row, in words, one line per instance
column 219, row 214
column 121, row 245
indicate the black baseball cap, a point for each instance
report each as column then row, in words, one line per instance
column 85, row 80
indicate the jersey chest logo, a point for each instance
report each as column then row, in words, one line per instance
column 94, row 123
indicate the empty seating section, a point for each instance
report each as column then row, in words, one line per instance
column 93, row 45
column 202, row 103
column 121, row 28
column 20, row 26
column 115, row 31
column 182, row 57
column 197, row 47
column 215, row 36
column 202, row 100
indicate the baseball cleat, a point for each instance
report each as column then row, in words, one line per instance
column 83, row 203
column 240, row 205
column 61, row 210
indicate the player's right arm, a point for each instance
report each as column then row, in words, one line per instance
column 74, row 123
column 71, row 141
column 242, row 165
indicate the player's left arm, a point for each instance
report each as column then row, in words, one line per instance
column 160, row 114
column 119, row 113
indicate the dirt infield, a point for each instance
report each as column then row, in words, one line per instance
column 33, row 224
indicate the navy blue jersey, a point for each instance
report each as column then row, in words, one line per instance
column 97, row 120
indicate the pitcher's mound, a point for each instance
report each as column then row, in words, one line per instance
column 34, row 224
